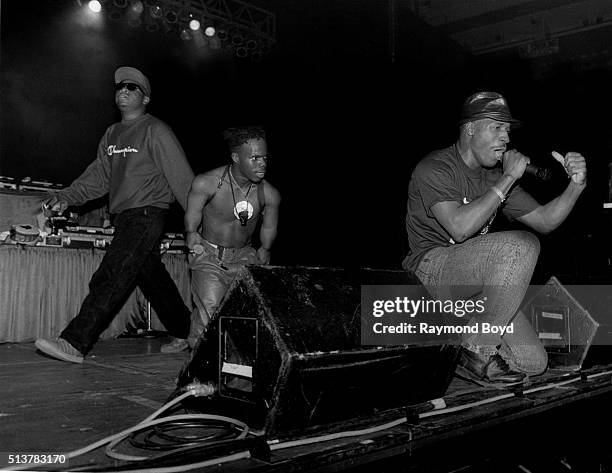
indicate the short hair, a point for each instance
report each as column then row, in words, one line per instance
column 464, row 126
column 238, row 136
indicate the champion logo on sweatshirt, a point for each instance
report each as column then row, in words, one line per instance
column 112, row 150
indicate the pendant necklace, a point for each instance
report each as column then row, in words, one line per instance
column 243, row 210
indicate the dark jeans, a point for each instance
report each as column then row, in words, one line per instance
column 132, row 259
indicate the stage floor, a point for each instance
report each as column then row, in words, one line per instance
column 49, row 406
column 53, row 406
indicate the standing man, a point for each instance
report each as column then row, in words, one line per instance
column 223, row 209
column 143, row 168
column 453, row 196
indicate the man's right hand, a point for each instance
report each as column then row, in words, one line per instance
column 192, row 239
column 55, row 204
column 514, row 163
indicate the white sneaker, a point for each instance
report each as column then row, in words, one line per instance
column 61, row 350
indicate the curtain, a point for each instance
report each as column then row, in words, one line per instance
column 41, row 290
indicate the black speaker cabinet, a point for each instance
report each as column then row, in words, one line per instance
column 564, row 326
column 284, row 352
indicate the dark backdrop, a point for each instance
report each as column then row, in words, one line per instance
column 348, row 114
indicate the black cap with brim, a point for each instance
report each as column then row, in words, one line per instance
column 491, row 105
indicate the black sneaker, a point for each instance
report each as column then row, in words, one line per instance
column 487, row 370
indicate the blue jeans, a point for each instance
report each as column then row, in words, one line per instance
column 211, row 277
column 496, row 266
column 132, row 259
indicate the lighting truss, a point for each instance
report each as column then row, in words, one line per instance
column 248, row 29
column 257, row 21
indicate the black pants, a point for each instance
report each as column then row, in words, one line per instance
column 132, row 259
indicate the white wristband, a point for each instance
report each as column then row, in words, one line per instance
column 499, row 193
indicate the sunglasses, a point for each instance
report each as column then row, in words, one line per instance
column 129, row 86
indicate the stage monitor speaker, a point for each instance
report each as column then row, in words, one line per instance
column 284, row 353
column 564, row 326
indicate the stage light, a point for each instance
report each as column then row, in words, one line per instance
column 222, row 34
column 194, row 25
column 210, row 31
column 251, row 44
column 241, row 51
column 237, row 39
column 89, row 16
column 171, row 16
column 137, row 7
column 155, row 11
column 120, row 3
column 95, row 6
column 185, row 35
column 134, row 13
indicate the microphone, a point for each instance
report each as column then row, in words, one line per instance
column 542, row 173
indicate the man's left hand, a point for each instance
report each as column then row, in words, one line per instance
column 575, row 166
column 263, row 255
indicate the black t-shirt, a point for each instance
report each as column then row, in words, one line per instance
column 443, row 176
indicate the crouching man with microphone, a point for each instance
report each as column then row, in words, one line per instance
column 453, row 196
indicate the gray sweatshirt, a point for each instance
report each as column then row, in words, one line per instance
column 140, row 163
